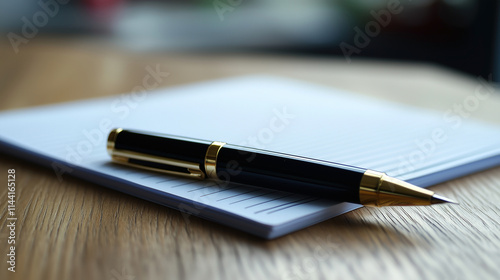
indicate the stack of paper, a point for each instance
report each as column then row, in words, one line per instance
column 421, row 146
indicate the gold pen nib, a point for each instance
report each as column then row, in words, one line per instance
column 438, row 199
column 378, row 189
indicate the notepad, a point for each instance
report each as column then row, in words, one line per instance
column 421, row 146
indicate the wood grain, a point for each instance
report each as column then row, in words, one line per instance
column 72, row 229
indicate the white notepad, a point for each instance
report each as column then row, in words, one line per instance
column 420, row 146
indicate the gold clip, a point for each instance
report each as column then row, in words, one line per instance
column 191, row 169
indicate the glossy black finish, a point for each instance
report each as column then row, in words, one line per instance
column 163, row 145
column 251, row 166
column 289, row 173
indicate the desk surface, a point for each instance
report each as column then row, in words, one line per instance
column 73, row 229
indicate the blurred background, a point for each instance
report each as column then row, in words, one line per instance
column 459, row 34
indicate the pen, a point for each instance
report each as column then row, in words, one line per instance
column 227, row 163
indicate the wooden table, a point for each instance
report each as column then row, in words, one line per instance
column 77, row 230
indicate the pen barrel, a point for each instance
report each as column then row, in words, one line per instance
column 200, row 159
column 289, row 173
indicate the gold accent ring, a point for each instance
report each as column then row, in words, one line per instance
column 112, row 140
column 211, row 159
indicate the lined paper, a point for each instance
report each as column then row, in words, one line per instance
column 263, row 112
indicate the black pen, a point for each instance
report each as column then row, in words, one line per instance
column 228, row 163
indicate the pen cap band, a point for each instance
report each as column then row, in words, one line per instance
column 211, row 159
column 112, row 139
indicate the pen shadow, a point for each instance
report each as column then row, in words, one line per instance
column 349, row 224
column 349, row 230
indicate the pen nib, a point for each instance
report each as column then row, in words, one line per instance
column 437, row 199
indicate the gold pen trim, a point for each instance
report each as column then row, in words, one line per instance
column 211, row 159
column 192, row 173
column 379, row 189
column 192, row 169
column 112, row 139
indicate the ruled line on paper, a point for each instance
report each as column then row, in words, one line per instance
column 181, row 185
column 439, row 162
column 236, row 195
column 442, row 158
column 201, row 188
column 150, row 176
column 253, row 197
column 281, row 205
column 269, row 200
column 130, row 172
column 295, row 204
column 165, row 180
column 219, row 191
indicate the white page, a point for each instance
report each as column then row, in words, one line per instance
column 264, row 112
